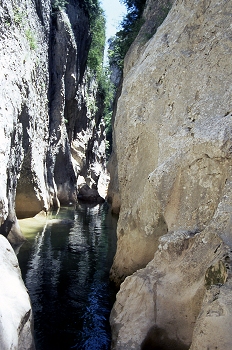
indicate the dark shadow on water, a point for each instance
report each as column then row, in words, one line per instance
column 65, row 265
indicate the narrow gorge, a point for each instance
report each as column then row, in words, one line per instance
column 168, row 177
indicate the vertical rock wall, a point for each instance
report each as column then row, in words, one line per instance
column 173, row 148
column 45, row 114
column 23, row 111
column 172, row 130
column 45, row 119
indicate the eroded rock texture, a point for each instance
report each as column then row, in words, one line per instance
column 24, row 110
column 173, row 148
column 46, row 118
column 51, row 133
column 180, row 291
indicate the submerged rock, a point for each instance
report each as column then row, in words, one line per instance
column 90, row 195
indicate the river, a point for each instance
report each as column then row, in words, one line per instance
column 65, row 265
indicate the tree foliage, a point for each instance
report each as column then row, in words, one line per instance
column 58, row 4
column 95, row 63
column 96, row 52
column 129, row 29
column 108, row 89
column 97, row 31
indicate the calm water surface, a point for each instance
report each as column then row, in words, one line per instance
column 65, row 265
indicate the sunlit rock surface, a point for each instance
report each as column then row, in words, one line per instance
column 173, row 131
column 161, row 304
column 15, row 308
column 173, row 149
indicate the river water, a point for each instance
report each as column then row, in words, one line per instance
column 65, row 265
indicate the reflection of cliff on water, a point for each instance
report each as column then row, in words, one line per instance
column 65, row 264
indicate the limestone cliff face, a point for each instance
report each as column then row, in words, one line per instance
column 173, row 148
column 24, row 110
column 50, row 111
column 44, row 110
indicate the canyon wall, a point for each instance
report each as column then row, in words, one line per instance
column 50, row 110
column 24, row 110
column 52, row 136
column 172, row 148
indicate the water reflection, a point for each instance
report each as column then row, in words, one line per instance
column 65, row 265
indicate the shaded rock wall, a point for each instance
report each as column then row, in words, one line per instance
column 45, row 111
column 24, row 110
column 88, row 136
column 113, row 194
column 173, row 147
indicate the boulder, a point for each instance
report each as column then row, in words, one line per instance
column 16, row 319
column 90, row 195
column 180, row 298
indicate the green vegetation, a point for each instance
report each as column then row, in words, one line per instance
column 107, row 89
column 216, row 274
column 19, row 16
column 58, row 5
column 96, row 52
column 20, row 20
column 31, row 39
column 95, row 64
column 119, row 45
column 130, row 27
column 97, row 30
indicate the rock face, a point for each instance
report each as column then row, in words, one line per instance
column 172, row 130
column 173, row 147
column 15, row 311
column 23, row 111
column 45, row 111
column 179, row 292
column 51, row 131
column 90, row 195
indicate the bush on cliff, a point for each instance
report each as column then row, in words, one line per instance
column 95, row 64
column 58, row 4
column 96, row 52
column 130, row 27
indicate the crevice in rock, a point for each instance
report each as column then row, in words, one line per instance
column 157, row 339
column 27, row 203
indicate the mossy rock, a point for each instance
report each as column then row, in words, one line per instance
column 216, row 274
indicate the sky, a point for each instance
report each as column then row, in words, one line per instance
column 114, row 11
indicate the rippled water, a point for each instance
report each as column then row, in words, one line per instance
column 65, row 265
